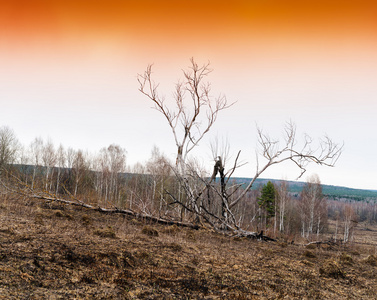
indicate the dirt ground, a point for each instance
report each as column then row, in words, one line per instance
column 54, row 251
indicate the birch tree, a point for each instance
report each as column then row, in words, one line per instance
column 117, row 165
column 313, row 207
column 36, row 148
column 8, row 146
column 61, row 164
column 79, row 168
column 349, row 221
column 159, row 168
column 282, row 201
column 49, row 160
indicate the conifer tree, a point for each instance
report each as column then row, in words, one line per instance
column 267, row 202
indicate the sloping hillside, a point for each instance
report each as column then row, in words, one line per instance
column 54, row 251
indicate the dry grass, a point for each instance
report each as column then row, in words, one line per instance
column 50, row 251
column 149, row 230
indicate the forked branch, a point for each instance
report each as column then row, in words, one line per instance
column 326, row 154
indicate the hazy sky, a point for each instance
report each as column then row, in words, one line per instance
column 68, row 72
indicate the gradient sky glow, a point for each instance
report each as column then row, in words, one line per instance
column 68, row 71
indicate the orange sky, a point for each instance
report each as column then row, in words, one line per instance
column 177, row 24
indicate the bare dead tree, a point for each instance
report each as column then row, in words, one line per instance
column 192, row 116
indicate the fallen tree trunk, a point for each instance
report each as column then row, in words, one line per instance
column 254, row 235
column 114, row 210
column 118, row 211
column 330, row 243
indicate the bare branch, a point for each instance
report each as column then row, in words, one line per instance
column 327, row 153
column 192, row 118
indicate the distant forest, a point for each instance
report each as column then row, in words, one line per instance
column 329, row 191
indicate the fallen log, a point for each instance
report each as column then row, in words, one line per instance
column 30, row 193
column 330, row 243
column 254, row 235
column 116, row 210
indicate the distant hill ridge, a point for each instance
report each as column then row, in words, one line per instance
column 330, row 191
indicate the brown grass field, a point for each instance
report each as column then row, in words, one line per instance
column 54, row 251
